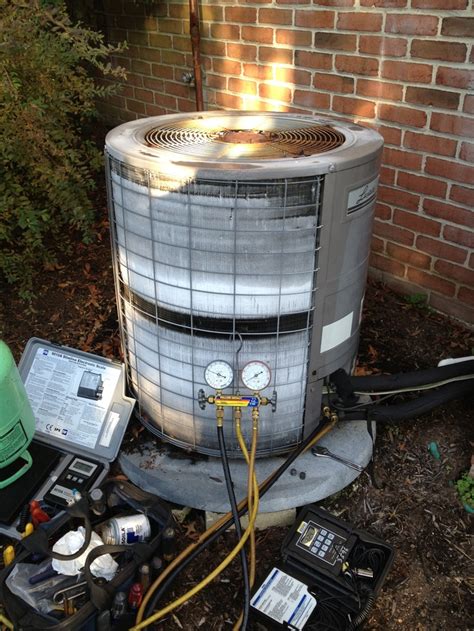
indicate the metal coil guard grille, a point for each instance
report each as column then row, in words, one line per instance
column 224, row 143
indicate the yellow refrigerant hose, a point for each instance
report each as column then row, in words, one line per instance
column 252, row 495
column 252, row 492
column 228, row 559
column 205, row 535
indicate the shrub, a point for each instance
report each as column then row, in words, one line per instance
column 465, row 489
column 49, row 82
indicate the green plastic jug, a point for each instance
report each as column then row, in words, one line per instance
column 17, row 421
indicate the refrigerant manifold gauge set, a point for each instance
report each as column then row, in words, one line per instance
column 256, row 375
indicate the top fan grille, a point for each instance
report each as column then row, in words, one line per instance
column 224, row 143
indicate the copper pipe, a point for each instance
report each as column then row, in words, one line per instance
column 196, row 48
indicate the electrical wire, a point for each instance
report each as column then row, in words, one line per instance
column 229, row 558
column 408, row 379
column 238, row 528
column 413, row 408
column 170, row 573
column 427, row 386
column 386, row 394
column 361, row 406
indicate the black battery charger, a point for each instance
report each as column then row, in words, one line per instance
column 328, row 577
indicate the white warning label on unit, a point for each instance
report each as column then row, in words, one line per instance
column 70, row 395
column 284, row 599
column 336, row 333
column 362, row 196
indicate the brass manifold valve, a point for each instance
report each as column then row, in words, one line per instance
column 254, row 400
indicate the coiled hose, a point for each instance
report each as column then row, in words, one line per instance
column 364, row 612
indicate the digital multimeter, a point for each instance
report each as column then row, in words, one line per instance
column 75, row 475
column 328, row 567
column 319, row 542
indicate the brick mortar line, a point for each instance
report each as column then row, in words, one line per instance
column 431, row 267
column 431, row 271
column 355, row 94
column 414, row 248
column 433, row 257
column 434, row 63
column 421, row 213
column 427, row 195
column 356, row 10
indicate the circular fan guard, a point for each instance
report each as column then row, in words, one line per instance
column 222, row 143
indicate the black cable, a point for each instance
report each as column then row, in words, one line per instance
column 362, row 406
column 238, row 528
column 376, row 383
column 328, row 615
column 416, row 407
column 363, row 556
column 364, row 612
column 265, row 487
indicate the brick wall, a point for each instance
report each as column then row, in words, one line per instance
column 402, row 66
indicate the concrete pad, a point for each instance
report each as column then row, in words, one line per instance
column 198, row 481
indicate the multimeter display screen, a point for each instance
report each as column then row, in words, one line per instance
column 80, row 466
column 309, row 536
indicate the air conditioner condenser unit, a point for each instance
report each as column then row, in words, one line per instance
column 240, row 236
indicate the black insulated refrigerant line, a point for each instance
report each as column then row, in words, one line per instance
column 416, row 407
column 378, row 383
column 444, row 384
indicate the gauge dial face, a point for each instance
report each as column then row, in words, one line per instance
column 256, row 375
column 219, row 374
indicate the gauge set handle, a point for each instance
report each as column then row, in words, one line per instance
column 272, row 401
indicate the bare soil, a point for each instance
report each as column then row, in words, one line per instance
column 414, row 505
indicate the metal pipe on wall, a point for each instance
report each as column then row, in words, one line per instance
column 196, row 50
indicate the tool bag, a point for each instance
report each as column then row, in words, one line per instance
column 25, row 618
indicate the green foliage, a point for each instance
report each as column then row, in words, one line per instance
column 417, row 300
column 465, row 489
column 50, row 71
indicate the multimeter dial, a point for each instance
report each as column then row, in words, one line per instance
column 219, row 374
column 256, row 375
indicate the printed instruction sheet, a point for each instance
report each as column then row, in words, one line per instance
column 284, row 599
column 70, row 395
